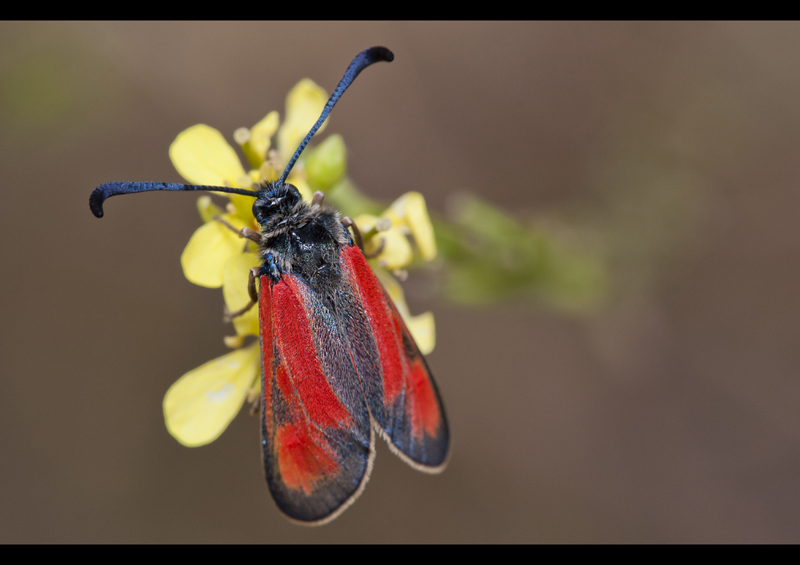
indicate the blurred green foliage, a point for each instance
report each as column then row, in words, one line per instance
column 487, row 255
column 492, row 256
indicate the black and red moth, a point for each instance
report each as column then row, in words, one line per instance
column 339, row 365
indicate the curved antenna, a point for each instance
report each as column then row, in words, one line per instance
column 109, row 189
column 361, row 62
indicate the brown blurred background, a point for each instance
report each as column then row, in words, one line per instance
column 671, row 414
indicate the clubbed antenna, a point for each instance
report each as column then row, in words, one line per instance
column 109, row 189
column 361, row 62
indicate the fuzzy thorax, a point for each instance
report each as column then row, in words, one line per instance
column 301, row 238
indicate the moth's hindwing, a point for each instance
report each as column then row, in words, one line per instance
column 399, row 388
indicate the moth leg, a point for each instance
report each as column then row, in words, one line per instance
column 251, row 290
column 244, row 232
column 254, row 398
column 251, row 284
column 241, row 311
column 378, row 251
column 255, row 406
column 252, row 235
column 347, row 222
column 316, row 200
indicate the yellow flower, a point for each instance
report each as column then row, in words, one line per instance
column 387, row 241
column 202, row 156
column 388, row 235
column 410, row 213
column 201, row 404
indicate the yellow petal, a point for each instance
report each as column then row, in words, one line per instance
column 202, row 156
column 394, row 290
column 410, row 210
column 235, row 276
column 304, row 104
column 261, row 134
column 243, row 206
column 422, row 327
column 208, row 209
column 209, row 248
column 365, row 222
column 396, row 252
column 201, row 404
column 233, row 341
column 423, row 330
column 268, row 172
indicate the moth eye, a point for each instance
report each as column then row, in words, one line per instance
column 262, row 211
column 293, row 195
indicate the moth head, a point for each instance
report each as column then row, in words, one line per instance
column 276, row 200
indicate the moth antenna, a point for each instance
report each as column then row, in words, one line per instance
column 109, row 189
column 359, row 63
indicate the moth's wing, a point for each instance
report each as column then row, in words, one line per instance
column 398, row 385
column 316, row 434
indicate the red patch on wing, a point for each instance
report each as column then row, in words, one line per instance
column 311, row 436
column 384, row 328
column 299, row 352
column 267, row 344
column 401, row 362
column 425, row 408
column 302, row 451
column 301, row 459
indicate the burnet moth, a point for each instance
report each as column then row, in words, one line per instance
column 339, row 365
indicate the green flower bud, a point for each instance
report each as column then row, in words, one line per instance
column 327, row 163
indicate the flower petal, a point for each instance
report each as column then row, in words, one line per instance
column 396, row 252
column 410, row 210
column 235, row 276
column 261, row 134
column 207, row 208
column 423, row 330
column 201, row 404
column 304, row 104
column 365, row 222
column 243, row 209
column 394, row 290
column 207, row 252
column 202, row 156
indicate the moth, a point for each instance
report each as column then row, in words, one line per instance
column 339, row 366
